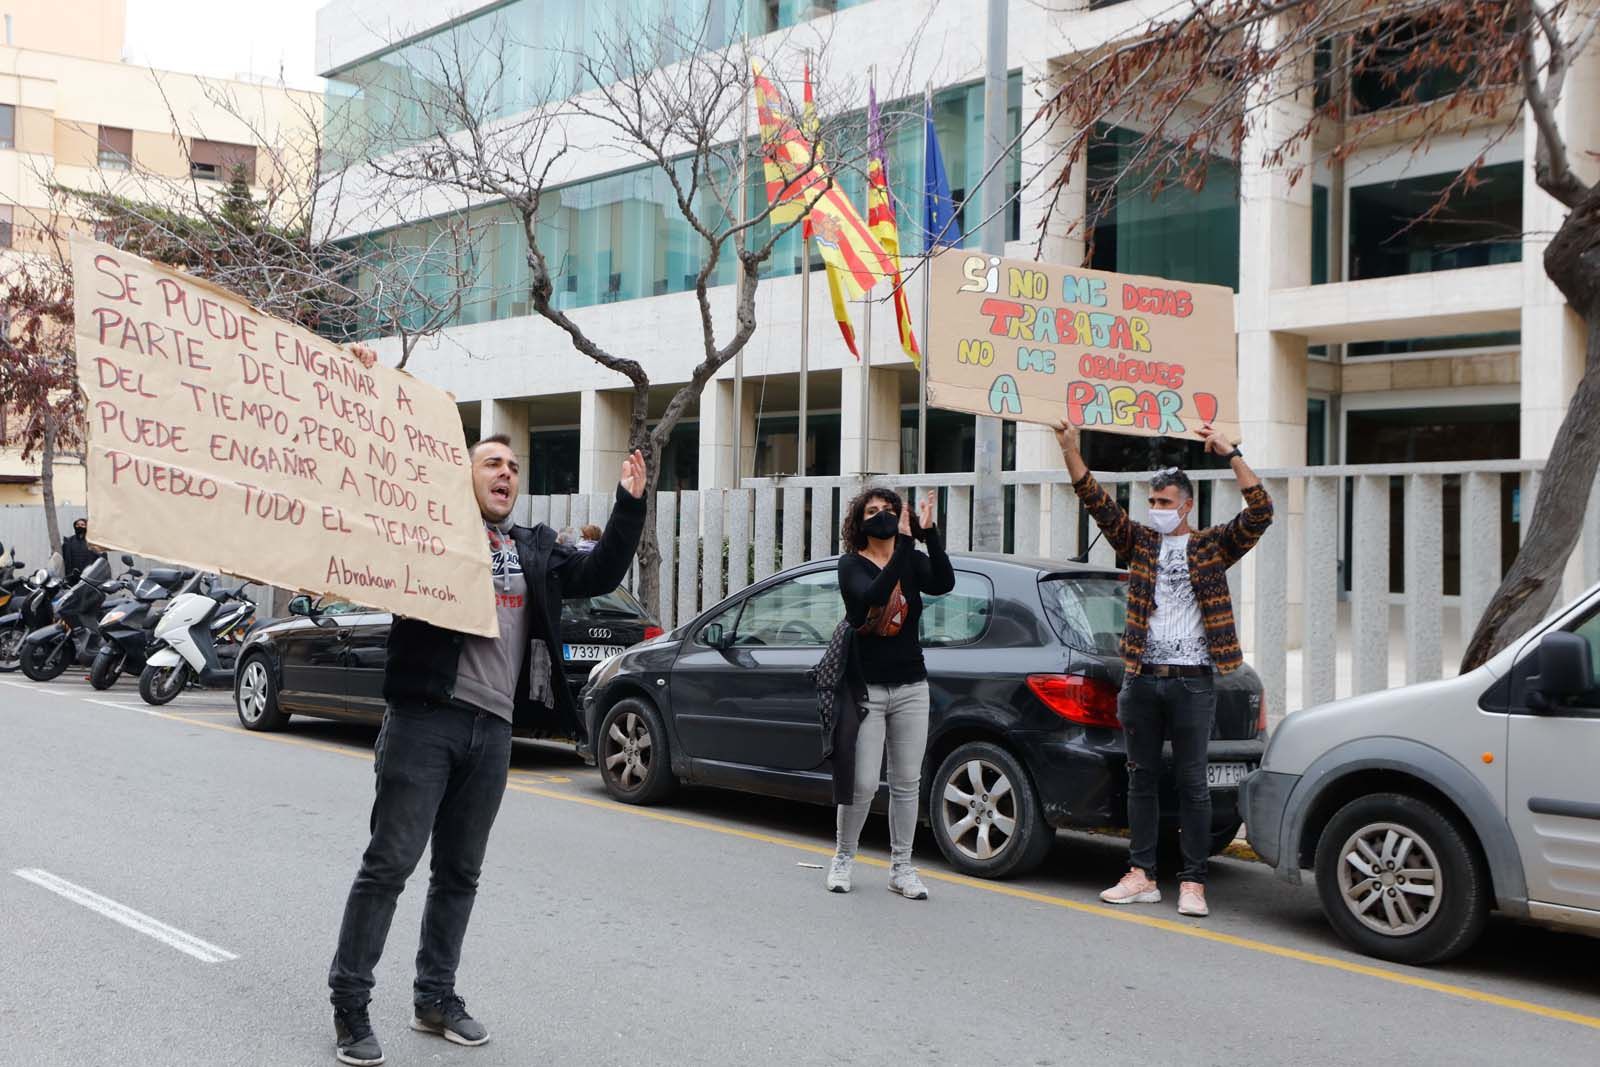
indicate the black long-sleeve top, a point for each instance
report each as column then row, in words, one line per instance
column 894, row 660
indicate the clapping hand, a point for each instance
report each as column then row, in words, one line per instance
column 927, row 510
column 634, row 474
column 366, row 355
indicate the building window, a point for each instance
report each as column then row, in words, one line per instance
column 1316, row 431
column 1191, row 235
column 1478, row 227
column 777, row 441
column 8, row 126
column 554, row 459
column 1321, row 216
column 1454, row 343
column 6, row 235
column 116, row 148
column 220, row 161
column 680, row 459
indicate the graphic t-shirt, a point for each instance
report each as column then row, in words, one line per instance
column 1177, row 632
column 486, row 676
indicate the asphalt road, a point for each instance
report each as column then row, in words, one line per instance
column 689, row 934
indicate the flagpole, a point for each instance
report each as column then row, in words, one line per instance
column 866, row 382
column 805, row 342
column 927, row 288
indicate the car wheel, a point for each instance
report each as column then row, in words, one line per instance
column 632, row 752
column 1400, row 880
column 43, row 663
column 159, row 685
column 255, row 697
column 11, row 648
column 107, row 668
column 985, row 815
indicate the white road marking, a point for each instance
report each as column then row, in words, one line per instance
column 204, row 951
column 123, row 707
column 30, row 688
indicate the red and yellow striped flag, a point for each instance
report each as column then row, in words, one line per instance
column 798, row 184
column 880, row 216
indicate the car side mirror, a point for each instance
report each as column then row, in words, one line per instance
column 715, row 636
column 1566, row 670
column 300, row 605
column 127, row 560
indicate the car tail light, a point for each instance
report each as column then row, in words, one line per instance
column 1078, row 699
column 652, row 632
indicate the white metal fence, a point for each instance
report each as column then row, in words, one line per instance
column 1354, row 543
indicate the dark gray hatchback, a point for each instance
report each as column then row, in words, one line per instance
column 1023, row 674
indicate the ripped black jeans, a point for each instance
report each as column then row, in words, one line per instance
column 1154, row 710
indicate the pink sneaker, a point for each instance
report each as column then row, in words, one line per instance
column 1192, row 900
column 1135, row 888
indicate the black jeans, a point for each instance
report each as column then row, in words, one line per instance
column 1153, row 710
column 441, row 771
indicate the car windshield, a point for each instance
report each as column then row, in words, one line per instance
column 1087, row 611
column 619, row 603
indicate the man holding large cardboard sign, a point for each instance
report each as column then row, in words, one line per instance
column 224, row 439
column 1118, row 352
column 1082, row 349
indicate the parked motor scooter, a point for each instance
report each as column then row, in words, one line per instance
column 74, row 636
column 36, row 599
column 12, row 578
column 127, row 629
column 197, row 643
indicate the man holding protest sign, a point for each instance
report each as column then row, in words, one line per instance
column 444, row 750
column 1180, row 630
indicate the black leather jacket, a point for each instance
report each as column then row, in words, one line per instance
column 420, row 666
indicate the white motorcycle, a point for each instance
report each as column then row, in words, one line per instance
column 197, row 643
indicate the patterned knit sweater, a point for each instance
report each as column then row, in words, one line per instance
column 1211, row 552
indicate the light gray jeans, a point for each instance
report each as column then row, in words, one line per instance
column 897, row 715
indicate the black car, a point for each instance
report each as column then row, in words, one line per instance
column 327, row 659
column 1023, row 736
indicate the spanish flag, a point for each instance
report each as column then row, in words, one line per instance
column 798, row 184
column 880, row 216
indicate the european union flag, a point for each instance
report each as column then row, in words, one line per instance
column 939, row 226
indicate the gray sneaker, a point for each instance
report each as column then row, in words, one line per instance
column 904, row 880
column 448, row 1018
column 839, row 873
column 354, row 1041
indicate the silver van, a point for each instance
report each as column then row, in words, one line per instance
column 1419, row 809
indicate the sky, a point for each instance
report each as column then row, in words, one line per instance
column 226, row 40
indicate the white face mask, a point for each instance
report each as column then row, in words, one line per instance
column 1165, row 520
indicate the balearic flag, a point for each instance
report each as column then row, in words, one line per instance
column 798, row 183
column 880, row 216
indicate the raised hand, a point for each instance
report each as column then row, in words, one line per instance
column 1066, row 437
column 366, row 355
column 905, row 518
column 634, row 474
column 1215, row 442
column 927, row 510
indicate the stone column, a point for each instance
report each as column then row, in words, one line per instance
column 509, row 417
column 602, row 437
column 882, row 427
column 716, row 434
column 1274, row 253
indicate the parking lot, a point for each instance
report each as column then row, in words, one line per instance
column 172, row 887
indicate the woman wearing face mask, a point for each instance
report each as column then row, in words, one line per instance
column 882, row 578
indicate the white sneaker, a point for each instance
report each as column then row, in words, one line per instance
column 1192, row 900
column 904, row 880
column 839, row 873
column 1135, row 888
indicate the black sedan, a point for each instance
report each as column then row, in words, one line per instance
column 326, row 660
column 1023, row 736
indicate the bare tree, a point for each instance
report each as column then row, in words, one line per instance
column 38, row 370
column 659, row 96
column 1197, row 81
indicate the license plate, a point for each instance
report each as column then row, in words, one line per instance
column 586, row 653
column 1226, row 774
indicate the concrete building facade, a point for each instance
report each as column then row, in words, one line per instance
column 72, row 114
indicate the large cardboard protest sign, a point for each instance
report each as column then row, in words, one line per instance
column 1119, row 352
column 224, row 439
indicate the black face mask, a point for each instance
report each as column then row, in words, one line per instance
column 81, row 531
column 883, row 524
